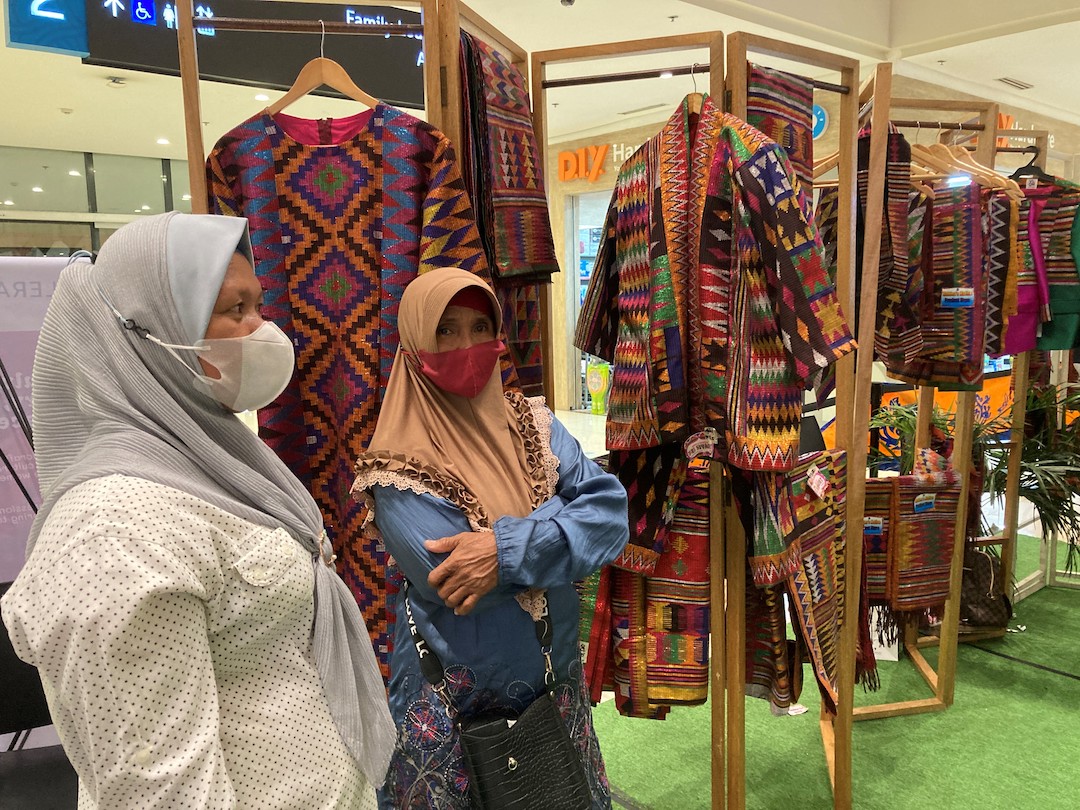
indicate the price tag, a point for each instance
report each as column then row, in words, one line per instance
column 701, row 445
column 873, row 525
column 817, row 481
column 958, row 297
column 1031, row 182
column 924, row 502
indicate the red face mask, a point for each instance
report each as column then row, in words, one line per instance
column 464, row 372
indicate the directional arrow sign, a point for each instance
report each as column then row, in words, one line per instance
column 115, row 6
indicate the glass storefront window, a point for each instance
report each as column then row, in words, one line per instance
column 588, row 211
column 43, row 238
column 129, row 185
column 42, row 180
column 181, row 186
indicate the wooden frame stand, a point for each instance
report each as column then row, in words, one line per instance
column 941, row 681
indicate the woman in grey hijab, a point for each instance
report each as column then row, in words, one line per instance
column 195, row 643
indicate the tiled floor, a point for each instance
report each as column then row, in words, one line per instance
column 587, row 428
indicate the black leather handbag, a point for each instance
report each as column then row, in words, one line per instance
column 523, row 763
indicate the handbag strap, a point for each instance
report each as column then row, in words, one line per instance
column 432, row 667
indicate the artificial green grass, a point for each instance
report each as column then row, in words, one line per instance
column 1010, row 741
column 1027, row 555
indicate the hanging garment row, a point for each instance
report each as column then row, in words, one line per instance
column 979, row 267
column 711, row 298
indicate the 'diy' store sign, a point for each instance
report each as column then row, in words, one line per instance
column 592, row 161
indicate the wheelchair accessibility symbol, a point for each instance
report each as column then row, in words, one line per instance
column 143, row 12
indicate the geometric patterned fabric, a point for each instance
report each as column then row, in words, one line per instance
column 677, row 602
column 812, row 528
column 343, row 214
column 504, row 178
column 1002, row 265
column 781, row 105
column 1060, row 237
column 816, row 587
column 921, row 556
column 516, row 227
column 953, row 317
column 713, row 305
column 1032, row 285
column 711, row 301
column 646, row 637
column 900, row 285
column 909, row 532
column 773, row 668
column 653, row 479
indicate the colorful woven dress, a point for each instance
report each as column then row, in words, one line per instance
column 343, row 214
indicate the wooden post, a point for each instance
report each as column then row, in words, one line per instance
column 718, row 505
column 950, row 623
column 735, row 614
column 836, row 735
column 924, row 416
column 432, row 62
column 448, row 33
column 189, row 82
column 1021, row 367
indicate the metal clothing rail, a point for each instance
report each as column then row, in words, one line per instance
column 305, row 26
column 661, row 73
column 958, row 125
column 630, row 75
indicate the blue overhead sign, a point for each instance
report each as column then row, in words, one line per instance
column 58, row 26
column 143, row 12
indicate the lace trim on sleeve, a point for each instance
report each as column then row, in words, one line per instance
column 407, row 474
column 543, row 419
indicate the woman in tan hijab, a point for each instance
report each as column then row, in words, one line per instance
column 483, row 499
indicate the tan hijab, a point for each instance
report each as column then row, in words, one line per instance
column 471, row 451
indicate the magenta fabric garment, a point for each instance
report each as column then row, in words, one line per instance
column 1032, row 286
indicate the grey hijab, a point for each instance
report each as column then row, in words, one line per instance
column 108, row 401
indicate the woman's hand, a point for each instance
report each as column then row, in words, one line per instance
column 471, row 570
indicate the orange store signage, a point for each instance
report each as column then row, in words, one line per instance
column 586, row 163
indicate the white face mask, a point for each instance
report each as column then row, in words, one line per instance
column 254, row 369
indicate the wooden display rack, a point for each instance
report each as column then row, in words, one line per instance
column 878, row 93
column 1048, row 573
column 851, row 388
column 727, row 537
column 727, row 754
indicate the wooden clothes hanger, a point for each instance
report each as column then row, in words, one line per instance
column 826, row 164
column 318, row 72
column 1003, row 182
column 695, row 99
column 925, row 157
